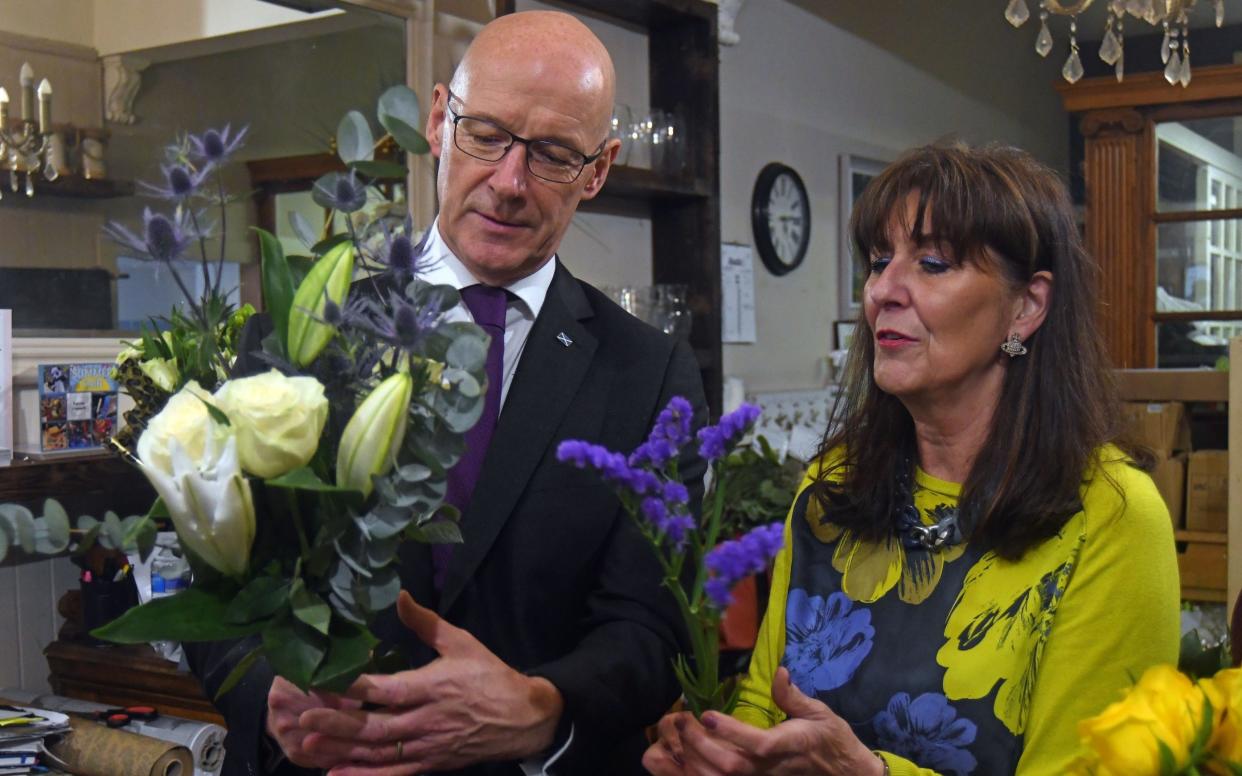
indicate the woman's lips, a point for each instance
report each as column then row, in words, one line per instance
column 889, row 339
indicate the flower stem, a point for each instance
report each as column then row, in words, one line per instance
column 223, row 231
column 296, row 514
column 202, row 247
column 713, row 532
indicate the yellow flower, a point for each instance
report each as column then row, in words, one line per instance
column 277, row 419
column 162, row 371
column 1225, row 693
column 1164, row 707
column 870, row 569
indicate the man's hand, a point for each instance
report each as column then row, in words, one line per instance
column 285, row 704
column 465, row 707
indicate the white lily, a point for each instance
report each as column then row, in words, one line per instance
column 209, row 501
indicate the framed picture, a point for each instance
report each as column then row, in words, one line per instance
column 856, row 173
column 842, row 334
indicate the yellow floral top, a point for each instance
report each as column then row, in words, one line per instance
column 960, row 662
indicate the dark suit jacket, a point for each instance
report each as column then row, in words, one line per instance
column 552, row 576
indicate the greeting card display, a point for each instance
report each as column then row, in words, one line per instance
column 77, row 406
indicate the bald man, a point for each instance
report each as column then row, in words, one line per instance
column 544, row 643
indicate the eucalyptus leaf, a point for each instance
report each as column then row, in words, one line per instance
column 413, row 472
column 310, row 608
column 293, row 648
column 302, row 229
column 398, row 102
column 354, row 141
column 258, row 600
column 435, row 532
column 192, row 615
column 410, row 139
column 113, row 533
column 349, row 653
column 380, row 170
column 379, row 591
column 21, row 524
column 468, row 353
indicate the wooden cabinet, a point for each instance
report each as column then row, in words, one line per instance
column 684, row 75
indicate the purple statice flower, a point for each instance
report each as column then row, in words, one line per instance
column 669, row 519
column 163, row 239
column 340, row 191
column 676, row 493
column 670, row 433
column 215, row 146
column 611, row 466
column 731, row 562
column 180, row 183
column 716, row 441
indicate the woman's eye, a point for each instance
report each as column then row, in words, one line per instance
column 878, row 263
column 934, row 264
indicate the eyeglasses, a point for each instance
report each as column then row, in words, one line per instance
column 545, row 159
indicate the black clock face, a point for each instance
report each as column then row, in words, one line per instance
column 780, row 218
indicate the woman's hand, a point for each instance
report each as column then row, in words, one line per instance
column 814, row 740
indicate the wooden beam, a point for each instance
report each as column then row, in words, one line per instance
column 1209, row 83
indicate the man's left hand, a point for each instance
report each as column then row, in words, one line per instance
column 465, row 707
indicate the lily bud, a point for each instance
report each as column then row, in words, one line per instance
column 373, row 435
column 328, row 279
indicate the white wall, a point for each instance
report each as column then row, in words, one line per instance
column 802, row 90
column 72, row 21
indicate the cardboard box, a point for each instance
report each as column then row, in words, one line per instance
column 1207, row 491
column 1170, row 478
column 1162, row 426
column 1204, row 569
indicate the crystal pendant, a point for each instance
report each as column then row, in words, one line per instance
column 29, row 185
column 1043, row 41
column 1183, row 76
column 50, row 172
column 1017, row 13
column 13, row 183
column 1110, row 48
column 1136, row 8
column 1165, row 45
column 1073, row 67
column 1120, row 68
column 1173, row 70
column 1220, row 12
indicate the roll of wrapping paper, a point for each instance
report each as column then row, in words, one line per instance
column 93, row 749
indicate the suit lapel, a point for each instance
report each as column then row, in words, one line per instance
column 546, row 381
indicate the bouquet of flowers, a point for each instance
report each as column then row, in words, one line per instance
column 700, row 570
column 291, row 489
column 1167, row 725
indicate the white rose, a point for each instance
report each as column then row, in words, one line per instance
column 277, row 420
column 184, row 419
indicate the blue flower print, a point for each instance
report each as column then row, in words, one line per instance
column 927, row 732
column 825, row 640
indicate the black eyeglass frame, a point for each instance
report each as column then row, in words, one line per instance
column 456, row 117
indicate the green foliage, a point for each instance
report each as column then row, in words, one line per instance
column 760, row 487
column 277, row 284
column 1199, row 661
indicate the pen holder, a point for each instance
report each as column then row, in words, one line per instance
column 103, row 600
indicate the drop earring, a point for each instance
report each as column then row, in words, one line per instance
column 1013, row 346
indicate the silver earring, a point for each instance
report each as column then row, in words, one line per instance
column 1013, row 346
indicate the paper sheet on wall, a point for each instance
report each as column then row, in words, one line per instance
column 737, row 292
column 6, row 387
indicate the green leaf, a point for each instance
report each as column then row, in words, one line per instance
column 310, row 608
column 258, row 600
column 239, row 672
column 349, row 652
column 277, row 286
column 194, row 615
column 159, row 510
column 305, row 478
column 435, row 532
column 409, row 138
column 354, row 141
column 302, row 228
column 1168, row 764
column 380, row 170
column 21, row 525
column 293, row 648
column 401, row 103
column 113, row 532
column 323, row 246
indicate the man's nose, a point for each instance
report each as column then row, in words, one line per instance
column 509, row 176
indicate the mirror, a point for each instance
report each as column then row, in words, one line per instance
column 288, row 76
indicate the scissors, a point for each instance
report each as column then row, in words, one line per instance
column 120, row 717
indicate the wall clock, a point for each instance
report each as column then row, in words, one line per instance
column 780, row 217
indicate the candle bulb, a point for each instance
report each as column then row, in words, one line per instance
column 27, row 81
column 4, row 109
column 45, row 107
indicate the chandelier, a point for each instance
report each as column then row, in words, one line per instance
column 25, row 148
column 1171, row 14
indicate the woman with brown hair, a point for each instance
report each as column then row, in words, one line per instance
column 977, row 561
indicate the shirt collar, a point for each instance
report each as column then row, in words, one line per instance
column 446, row 269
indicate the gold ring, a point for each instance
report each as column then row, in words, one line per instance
column 400, row 746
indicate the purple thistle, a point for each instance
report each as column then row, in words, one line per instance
column 731, row 562
column 340, row 191
column 180, row 183
column 399, row 323
column 215, row 146
column 163, row 239
column 716, row 441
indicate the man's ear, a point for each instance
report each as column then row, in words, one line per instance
column 598, row 169
column 1033, row 305
column 435, row 118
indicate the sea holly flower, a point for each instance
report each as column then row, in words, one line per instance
column 180, row 183
column 215, row 146
column 340, row 191
column 163, row 239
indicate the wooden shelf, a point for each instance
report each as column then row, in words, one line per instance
column 1208, row 537
column 645, row 13
column 84, row 484
column 642, row 184
column 1172, row 385
column 74, row 187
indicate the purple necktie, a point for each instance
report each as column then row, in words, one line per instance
column 487, row 304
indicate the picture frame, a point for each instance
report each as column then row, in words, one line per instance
column 843, row 333
column 856, row 172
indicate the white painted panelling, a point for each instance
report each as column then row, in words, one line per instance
column 29, row 621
